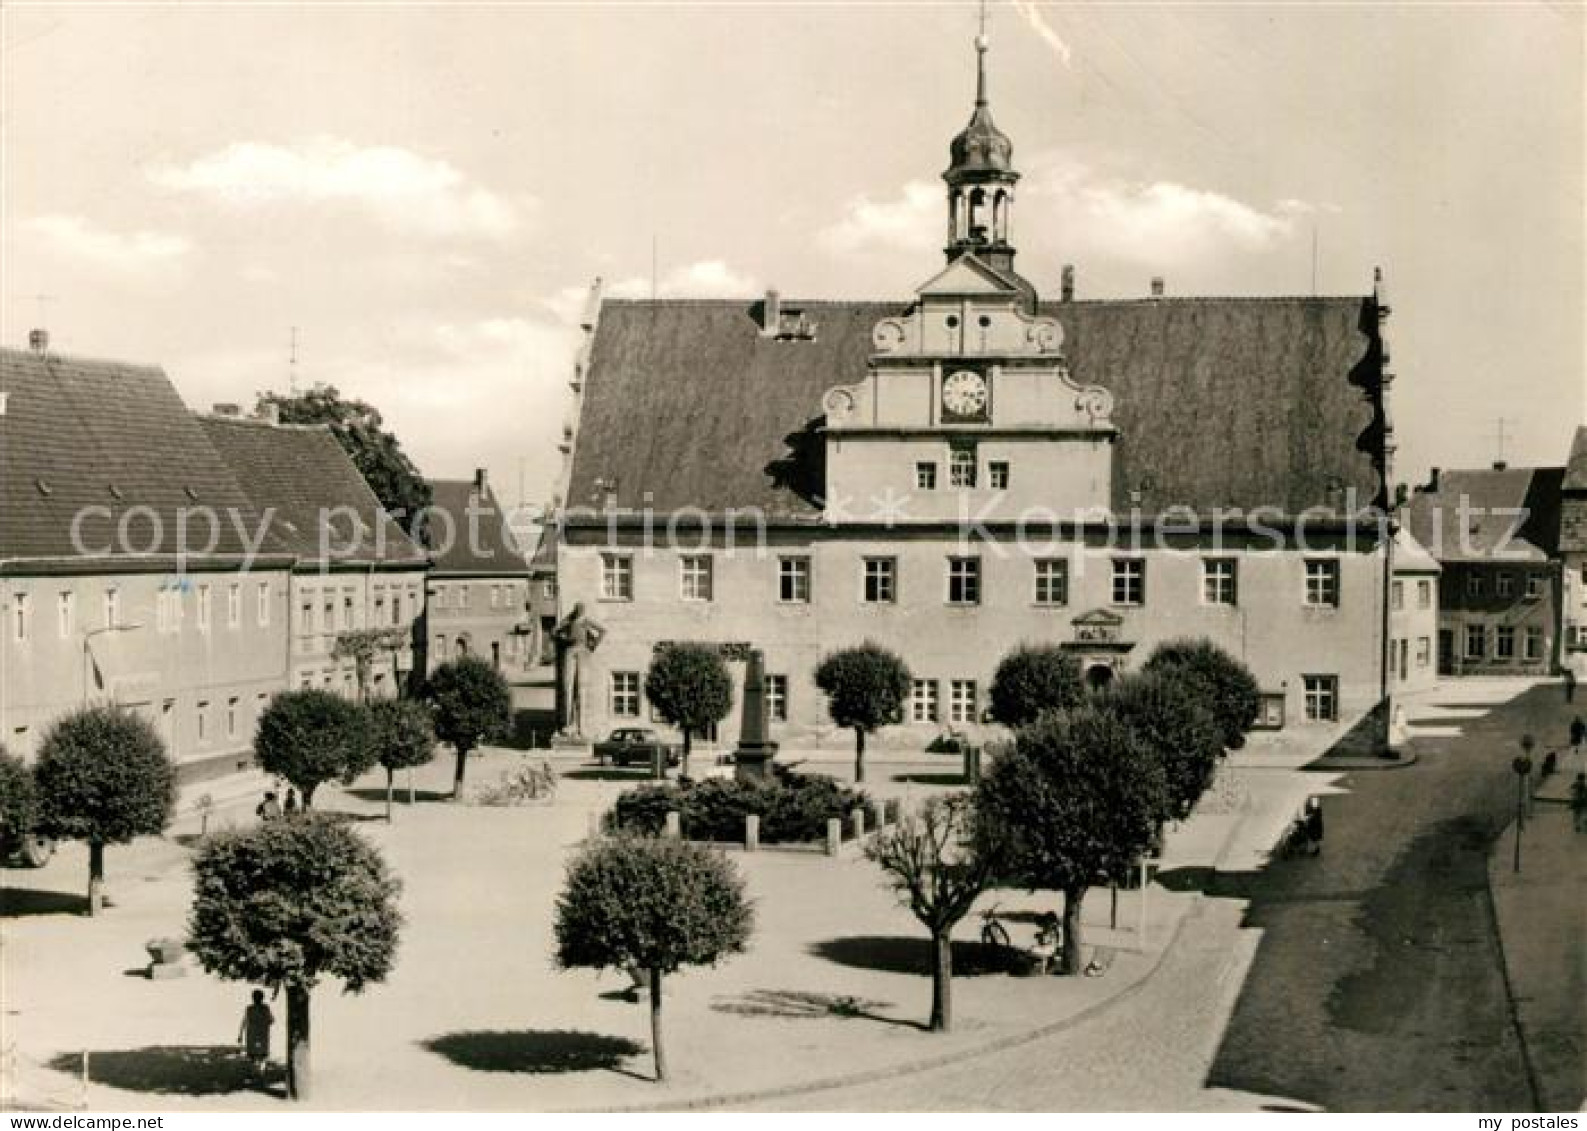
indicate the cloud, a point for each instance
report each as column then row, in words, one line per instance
column 912, row 221
column 1044, row 31
column 119, row 251
column 402, row 189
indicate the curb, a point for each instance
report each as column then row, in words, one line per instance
column 1534, row 1085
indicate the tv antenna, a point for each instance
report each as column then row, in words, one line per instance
column 292, row 363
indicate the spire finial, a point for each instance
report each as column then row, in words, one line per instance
column 981, row 44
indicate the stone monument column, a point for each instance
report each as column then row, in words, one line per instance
column 753, row 757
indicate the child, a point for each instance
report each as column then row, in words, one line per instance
column 254, row 1033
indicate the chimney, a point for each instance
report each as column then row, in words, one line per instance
column 1432, row 481
column 1157, row 286
column 270, row 413
column 39, row 341
column 771, row 315
column 479, row 481
column 1066, row 286
column 221, row 408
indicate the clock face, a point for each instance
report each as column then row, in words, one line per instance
column 964, row 393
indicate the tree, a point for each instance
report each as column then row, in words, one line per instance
column 688, row 686
column 402, row 736
column 1033, row 680
column 651, row 904
column 311, row 736
column 19, row 801
column 1077, row 798
column 103, row 776
column 939, row 863
column 359, row 429
column 290, row 902
column 865, row 688
column 1172, row 715
column 471, row 703
column 1229, row 689
column 364, row 646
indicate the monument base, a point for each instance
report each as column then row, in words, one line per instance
column 754, row 763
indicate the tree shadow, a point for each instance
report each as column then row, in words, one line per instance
column 1200, row 877
column 16, row 903
column 896, row 954
column 807, row 1006
column 611, row 773
column 186, row 1070
column 932, row 779
column 537, row 1051
column 377, row 795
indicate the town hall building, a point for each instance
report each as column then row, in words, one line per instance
column 973, row 467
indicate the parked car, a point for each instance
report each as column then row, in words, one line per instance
column 25, row 850
column 634, row 745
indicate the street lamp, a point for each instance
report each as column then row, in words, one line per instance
column 87, row 653
column 1523, row 771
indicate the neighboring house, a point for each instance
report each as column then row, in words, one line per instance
column 1495, row 532
column 355, row 568
column 478, row 590
column 965, row 469
column 1413, row 617
column 1573, row 556
column 125, row 567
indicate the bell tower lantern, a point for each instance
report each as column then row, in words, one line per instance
column 981, row 179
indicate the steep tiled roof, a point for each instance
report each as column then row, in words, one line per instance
column 1410, row 556
column 1221, row 402
column 1576, row 465
column 303, row 478
column 77, row 434
column 489, row 549
column 1509, row 514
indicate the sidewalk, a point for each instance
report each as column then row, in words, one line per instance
column 1542, row 919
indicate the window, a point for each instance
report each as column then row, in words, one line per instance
column 694, row 577
column 1534, row 586
column 923, row 701
column 1322, row 698
column 1218, row 577
column 233, row 606
column 112, row 607
column 997, row 475
column 203, row 608
column 1534, row 642
column 617, row 577
column 19, row 617
column 1476, row 641
column 1322, row 583
column 961, row 467
column 262, row 603
column 1473, row 585
column 495, row 596
column 1424, row 651
column 164, row 617
column 380, row 606
column 793, row 580
column 462, row 596
column 306, row 614
column 1397, row 595
column 203, row 720
column 964, row 581
column 347, row 610
column 1504, row 642
column 1052, row 581
column 1424, row 594
column 1270, row 713
column 63, row 614
column 328, row 621
column 231, row 718
column 1129, row 581
column 625, row 695
column 881, row 581
column 396, row 607
column 961, row 701
column 777, row 698
column 1503, row 585
column 926, row 476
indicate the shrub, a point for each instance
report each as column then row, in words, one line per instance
column 1226, row 685
column 1033, row 680
column 793, row 808
column 19, row 799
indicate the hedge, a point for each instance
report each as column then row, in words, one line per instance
column 793, row 808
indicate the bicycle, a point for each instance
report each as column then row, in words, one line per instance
column 993, row 933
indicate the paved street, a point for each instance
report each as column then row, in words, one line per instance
column 1366, row 979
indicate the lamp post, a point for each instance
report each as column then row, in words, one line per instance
column 87, row 653
column 1522, row 766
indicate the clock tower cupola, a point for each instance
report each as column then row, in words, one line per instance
column 981, row 179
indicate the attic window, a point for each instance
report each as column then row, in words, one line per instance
column 115, row 492
column 191, row 493
column 794, row 325
column 44, row 488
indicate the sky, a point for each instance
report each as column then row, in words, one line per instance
column 426, row 192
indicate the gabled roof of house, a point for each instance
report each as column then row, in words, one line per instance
column 1489, row 515
column 473, row 538
column 1410, row 556
column 1219, row 402
column 78, row 434
column 319, row 504
column 1576, row 465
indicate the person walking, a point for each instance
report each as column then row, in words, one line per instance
column 1578, row 731
column 254, row 1033
column 291, row 805
column 1314, row 826
column 1570, row 685
column 269, row 809
column 1578, row 803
